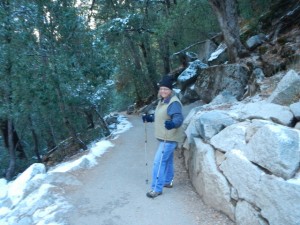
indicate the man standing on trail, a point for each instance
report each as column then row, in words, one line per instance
column 167, row 123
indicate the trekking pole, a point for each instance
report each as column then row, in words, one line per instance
column 162, row 154
column 146, row 153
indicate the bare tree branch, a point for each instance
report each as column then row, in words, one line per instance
column 192, row 45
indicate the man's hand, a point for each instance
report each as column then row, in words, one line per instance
column 148, row 118
column 169, row 125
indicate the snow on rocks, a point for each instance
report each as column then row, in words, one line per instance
column 36, row 196
column 189, row 75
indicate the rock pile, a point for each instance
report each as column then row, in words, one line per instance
column 243, row 157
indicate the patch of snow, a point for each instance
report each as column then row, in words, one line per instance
column 176, row 90
column 191, row 71
column 20, row 200
column 86, row 161
column 222, row 47
column 294, row 181
column 122, row 126
column 3, row 188
column 3, row 211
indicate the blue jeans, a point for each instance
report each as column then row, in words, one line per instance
column 163, row 166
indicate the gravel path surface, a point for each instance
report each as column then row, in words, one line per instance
column 114, row 191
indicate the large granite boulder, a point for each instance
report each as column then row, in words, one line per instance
column 275, row 148
column 213, row 80
column 288, row 90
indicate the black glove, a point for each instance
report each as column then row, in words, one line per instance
column 169, row 125
column 148, row 118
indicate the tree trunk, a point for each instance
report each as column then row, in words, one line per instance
column 138, row 68
column 50, row 137
column 89, row 119
column 66, row 120
column 35, row 140
column 12, row 153
column 165, row 54
column 48, row 131
column 164, row 42
column 8, row 89
column 54, row 78
column 226, row 12
column 102, row 122
column 146, row 50
column 16, row 141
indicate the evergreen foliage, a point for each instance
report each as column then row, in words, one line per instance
column 65, row 64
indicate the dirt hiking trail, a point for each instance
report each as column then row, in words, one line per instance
column 114, row 191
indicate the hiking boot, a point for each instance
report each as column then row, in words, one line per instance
column 170, row 185
column 153, row 194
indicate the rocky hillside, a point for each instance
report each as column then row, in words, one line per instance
column 243, row 156
column 243, row 142
column 275, row 48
